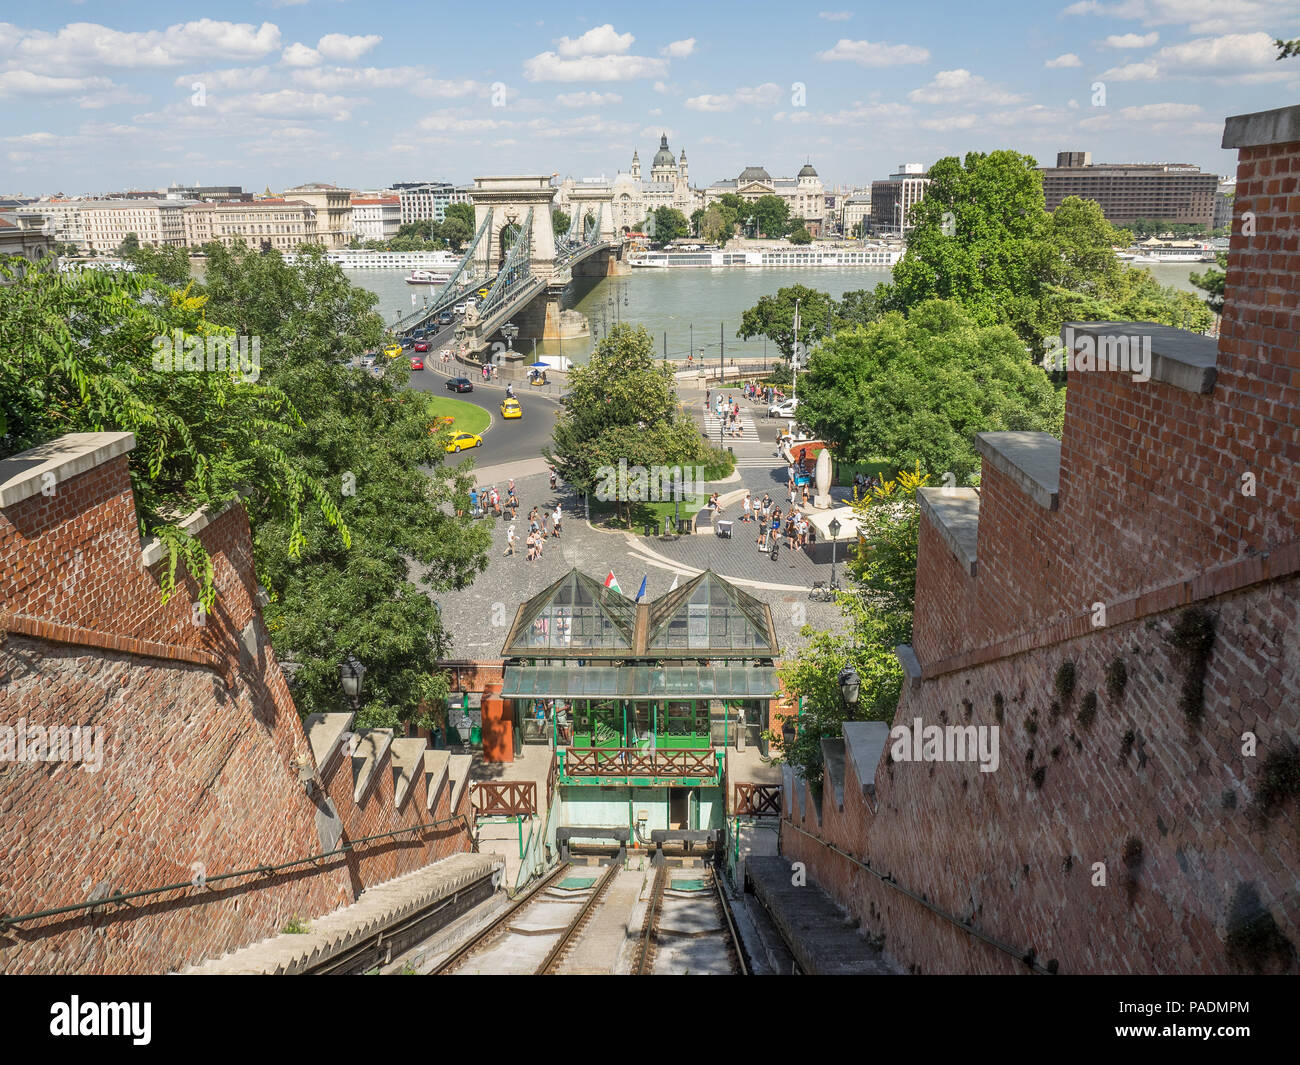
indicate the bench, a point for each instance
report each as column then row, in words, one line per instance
column 621, row 836
column 689, row 837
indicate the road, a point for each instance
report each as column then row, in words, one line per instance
column 504, row 441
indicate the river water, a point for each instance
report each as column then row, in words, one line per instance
column 684, row 309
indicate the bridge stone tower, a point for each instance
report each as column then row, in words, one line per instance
column 509, row 199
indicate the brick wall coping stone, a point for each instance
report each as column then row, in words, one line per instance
column 23, row 476
column 910, row 663
column 864, row 744
column 955, row 515
column 1180, row 358
column 408, row 760
column 381, row 906
column 436, row 765
column 154, row 550
column 833, row 760
column 372, row 744
column 325, row 734
column 1279, row 126
column 1031, row 460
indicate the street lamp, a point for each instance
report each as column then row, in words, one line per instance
column 834, row 529
column 850, row 686
column 351, row 675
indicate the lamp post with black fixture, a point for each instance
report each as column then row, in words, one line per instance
column 850, row 688
column 351, row 676
column 834, row 529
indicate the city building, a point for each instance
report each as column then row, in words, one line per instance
column 804, row 194
column 376, row 217
column 274, row 224
column 104, row 224
column 1223, row 197
column 1177, row 193
column 854, row 211
column 333, row 211
column 893, row 198
column 25, row 237
column 423, row 201
column 635, row 196
column 211, row 193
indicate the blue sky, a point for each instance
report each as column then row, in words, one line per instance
column 100, row 96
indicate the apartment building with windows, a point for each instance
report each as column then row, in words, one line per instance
column 376, row 217
column 893, row 197
column 333, row 211
column 270, row 224
column 1165, row 192
column 423, row 201
column 104, row 224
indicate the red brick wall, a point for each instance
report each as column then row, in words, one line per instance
column 201, row 742
column 1151, row 519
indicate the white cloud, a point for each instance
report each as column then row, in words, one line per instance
column 29, row 83
column 679, row 49
column 288, row 103
column 1132, row 40
column 835, row 16
column 550, row 67
column 875, row 114
column 1233, row 57
column 869, row 54
column 1158, row 112
column 588, row 99
column 344, row 49
column 456, row 122
column 1067, row 59
column 230, row 78
column 299, row 55
column 1198, row 16
column 82, row 44
column 962, row 87
column 766, row 95
column 656, row 131
column 945, row 123
column 600, row 40
column 34, row 138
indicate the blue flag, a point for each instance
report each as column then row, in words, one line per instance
column 642, row 591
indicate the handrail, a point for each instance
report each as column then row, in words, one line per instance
column 7, row 921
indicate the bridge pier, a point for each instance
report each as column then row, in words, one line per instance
column 605, row 264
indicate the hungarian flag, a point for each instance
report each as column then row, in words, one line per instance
column 611, row 582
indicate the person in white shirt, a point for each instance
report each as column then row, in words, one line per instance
column 555, row 522
column 510, row 541
column 748, row 508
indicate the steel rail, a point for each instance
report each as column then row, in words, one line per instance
column 720, row 897
column 487, row 934
column 650, row 927
column 556, row 953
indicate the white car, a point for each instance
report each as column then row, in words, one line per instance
column 784, row 409
column 459, row 308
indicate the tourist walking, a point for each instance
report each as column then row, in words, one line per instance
column 510, row 541
column 747, row 507
column 555, row 522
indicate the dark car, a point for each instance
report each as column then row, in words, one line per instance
column 445, row 318
column 460, row 384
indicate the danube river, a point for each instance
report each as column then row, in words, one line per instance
column 684, row 309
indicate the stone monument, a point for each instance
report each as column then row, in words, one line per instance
column 822, row 478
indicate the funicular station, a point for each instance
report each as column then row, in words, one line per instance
column 645, row 706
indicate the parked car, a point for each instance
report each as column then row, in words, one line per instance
column 510, row 408
column 784, row 409
column 461, row 441
column 421, row 345
column 417, row 363
column 460, row 384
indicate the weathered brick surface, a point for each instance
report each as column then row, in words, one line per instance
column 1152, row 519
column 201, row 743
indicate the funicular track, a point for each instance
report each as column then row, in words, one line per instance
column 652, row 936
column 500, row 927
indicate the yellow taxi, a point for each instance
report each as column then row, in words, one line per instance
column 483, row 293
column 461, row 441
column 393, row 350
column 510, row 408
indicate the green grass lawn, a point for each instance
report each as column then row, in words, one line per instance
column 605, row 513
column 469, row 418
column 882, row 469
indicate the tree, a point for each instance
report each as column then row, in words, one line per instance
column 771, row 216
column 666, row 224
column 715, row 226
column 1286, row 49
column 458, row 225
column 773, row 317
column 622, row 406
column 560, row 222
column 859, row 307
column 130, row 244
column 917, row 389
column 697, row 216
column 801, row 236
column 369, row 439
column 95, row 352
column 169, row 264
column 1212, row 282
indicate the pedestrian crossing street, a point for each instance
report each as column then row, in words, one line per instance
column 751, row 453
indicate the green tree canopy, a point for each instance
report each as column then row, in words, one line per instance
column 1211, row 282
column 169, row 264
column 130, row 243
column 773, row 317
column 666, row 224
column 560, row 222
column 916, row 390
column 771, row 216
column 801, row 236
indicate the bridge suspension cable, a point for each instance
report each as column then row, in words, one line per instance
column 464, row 279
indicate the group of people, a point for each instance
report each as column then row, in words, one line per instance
column 763, row 393
column 490, row 372
column 864, row 484
column 483, row 501
column 542, row 525
column 798, row 530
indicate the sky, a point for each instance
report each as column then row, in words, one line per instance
column 103, row 96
